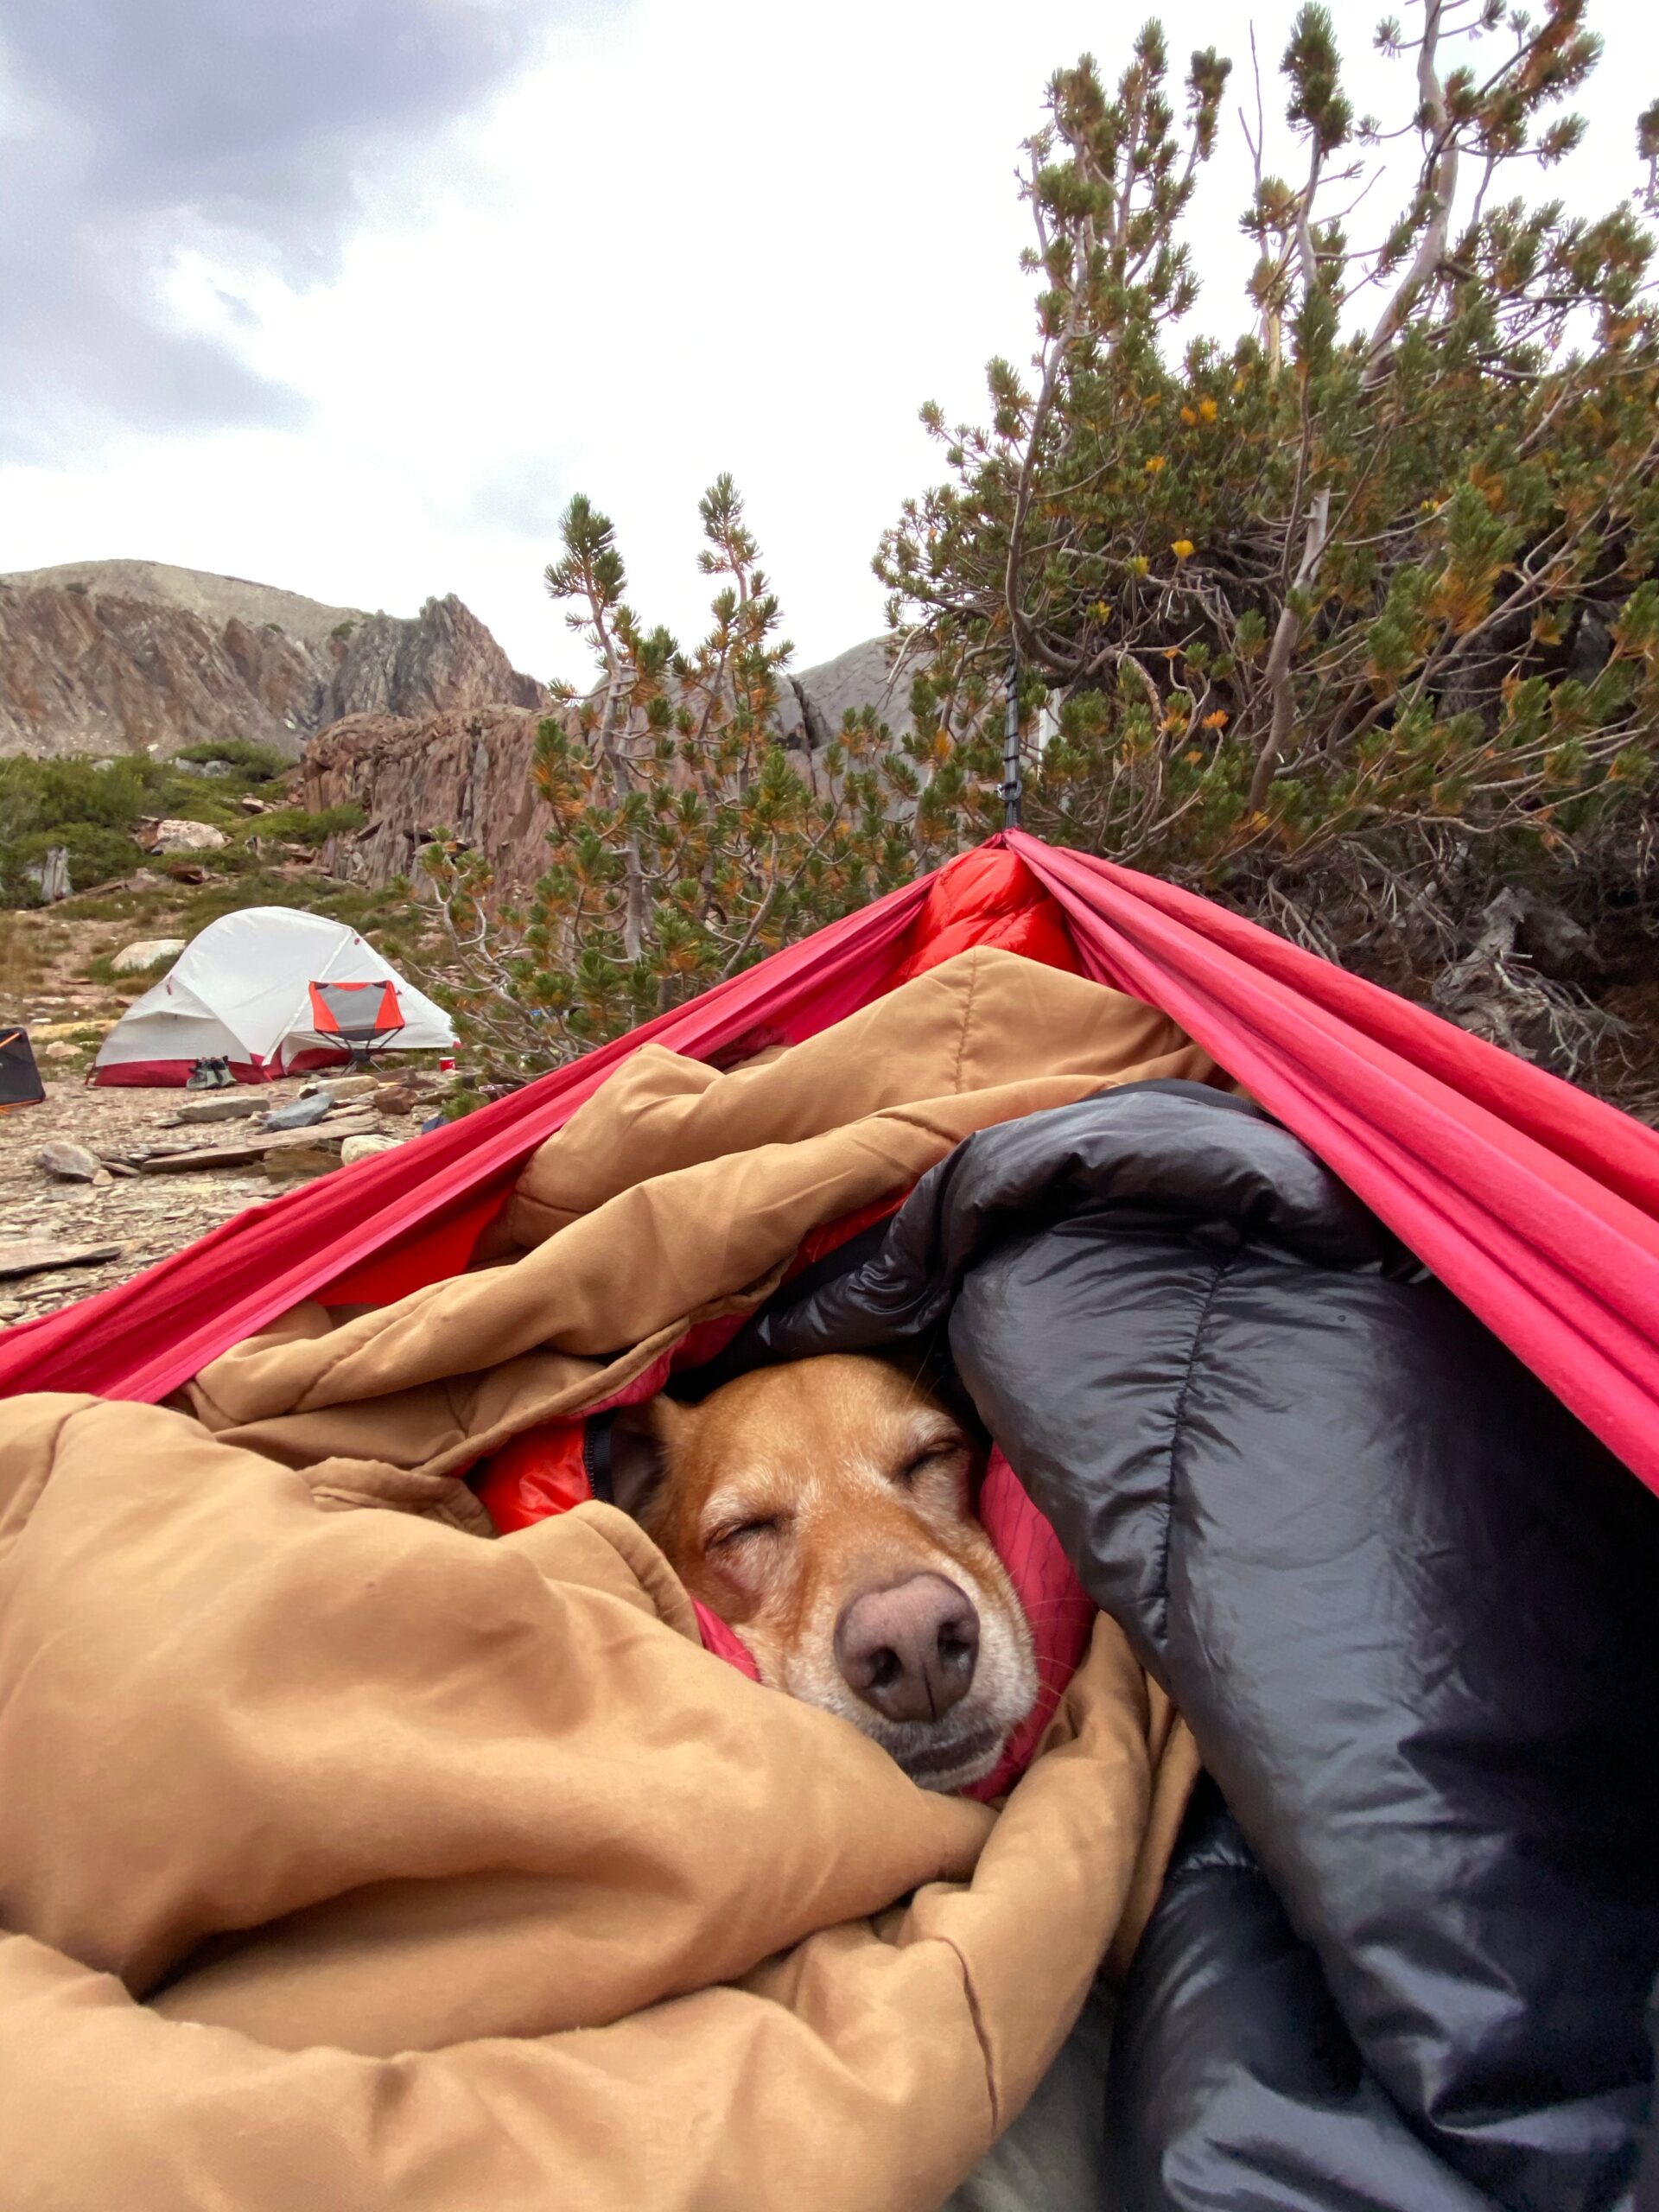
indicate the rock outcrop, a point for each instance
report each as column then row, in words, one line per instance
column 468, row 772
column 444, row 660
column 103, row 658
column 861, row 676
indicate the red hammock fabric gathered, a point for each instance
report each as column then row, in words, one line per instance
column 1534, row 1204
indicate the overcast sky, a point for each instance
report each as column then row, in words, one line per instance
column 350, row 296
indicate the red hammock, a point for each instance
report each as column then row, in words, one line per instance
column 1535, row 1205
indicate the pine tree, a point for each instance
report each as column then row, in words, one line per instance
column 1371, row 589
column 683, row 841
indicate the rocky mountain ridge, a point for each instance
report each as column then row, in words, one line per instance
column 422, row 722
column 103, row 658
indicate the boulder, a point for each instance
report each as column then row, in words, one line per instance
column 171, row 836
column 356, row 1148
column 132, row 959
column 50, row 875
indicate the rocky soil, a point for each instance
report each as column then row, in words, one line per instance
column 147, row 1214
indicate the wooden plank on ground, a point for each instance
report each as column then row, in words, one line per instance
column 34, row 1255
column 243, row 1151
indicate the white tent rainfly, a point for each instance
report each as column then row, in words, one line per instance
column 272, row 991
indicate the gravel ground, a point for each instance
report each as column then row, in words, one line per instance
column 147, row 1216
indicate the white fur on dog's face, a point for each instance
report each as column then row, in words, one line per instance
column 794, row 1492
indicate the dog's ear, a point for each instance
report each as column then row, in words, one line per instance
column 643, row 1440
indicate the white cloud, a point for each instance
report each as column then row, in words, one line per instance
column 693, row 238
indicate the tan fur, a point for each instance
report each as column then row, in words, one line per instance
column 792, row 1492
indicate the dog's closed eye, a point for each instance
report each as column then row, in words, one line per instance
column 943, row 1453
column 731, row 1534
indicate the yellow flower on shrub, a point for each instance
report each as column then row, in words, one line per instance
column 1183, row 548
column 1155, row 464
column 1207, row 409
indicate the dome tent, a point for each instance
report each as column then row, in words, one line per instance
column 254, row 988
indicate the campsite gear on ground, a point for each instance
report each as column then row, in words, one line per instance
column 364, row 1016
column 20, row 1079
column 1403, row 1599
column 604, row 1217
column 243, row 993
column 446, row 1063
column 299, row 1113
column 210, row 1075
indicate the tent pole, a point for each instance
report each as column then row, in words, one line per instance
column 1013, row 790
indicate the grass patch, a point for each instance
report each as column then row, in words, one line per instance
column 388, row 914
column 94, row 812
column 258, row 764
column 23, row 957
column 293, row 825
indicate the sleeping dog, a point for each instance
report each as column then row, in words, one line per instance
column 824, row 1508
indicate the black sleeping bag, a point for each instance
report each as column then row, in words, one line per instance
column 1405, row 1601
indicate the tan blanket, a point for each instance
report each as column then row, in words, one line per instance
column 347, row 1859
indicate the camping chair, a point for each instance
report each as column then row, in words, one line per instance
column 363, row 1017
column 20, row 1079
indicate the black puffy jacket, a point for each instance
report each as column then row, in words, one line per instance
column 1406, row 1602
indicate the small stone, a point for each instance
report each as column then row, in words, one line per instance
column 60, row 1050
column 356, row 1148
column 297, row 1159
column 70, row 1163
column 224, row 1109
column 299, row 1113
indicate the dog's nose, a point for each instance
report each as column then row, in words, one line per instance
column 910, row 1651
